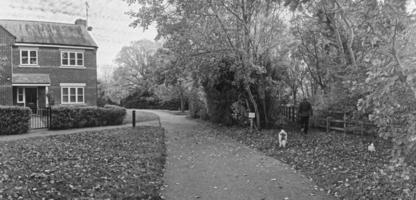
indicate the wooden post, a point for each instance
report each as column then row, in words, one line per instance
column 133, row 116
column 345, row 123
column 49, row 117
column 286, row 112
column 293, row 113
column 327, row 124
column 160, row 123
column 251, row 116
column 251, row 125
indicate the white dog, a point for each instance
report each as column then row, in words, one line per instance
column 371, row 148
column 282, row 138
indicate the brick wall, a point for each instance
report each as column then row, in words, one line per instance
column 6, row 40
column 49, row 60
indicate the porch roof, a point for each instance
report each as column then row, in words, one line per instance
column 31, row 79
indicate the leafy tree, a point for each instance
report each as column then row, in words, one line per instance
column 134, row 72
column 204, row 32
column 171, row 76
column 361, row 51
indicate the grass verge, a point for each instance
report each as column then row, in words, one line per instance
column 124, row 163
column 338, row 163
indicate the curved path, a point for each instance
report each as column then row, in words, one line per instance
column 203, row 165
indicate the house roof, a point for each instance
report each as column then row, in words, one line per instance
column 39, row 32
column 31, row 79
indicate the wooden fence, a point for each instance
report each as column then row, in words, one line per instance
column 338, row 123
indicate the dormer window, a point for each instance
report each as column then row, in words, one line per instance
column 72, row 59
column 28, row 57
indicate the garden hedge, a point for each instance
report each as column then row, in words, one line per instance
column 66, row 117
column 14, row 120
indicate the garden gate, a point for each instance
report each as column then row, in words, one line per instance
column 40, row 118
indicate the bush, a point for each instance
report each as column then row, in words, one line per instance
column 14, row 120
column 197, row 106
column 147, row 100
column 66, row 117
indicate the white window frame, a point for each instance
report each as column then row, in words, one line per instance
column 69, row 86
column 68, row 52
column 24, row 95
column 28, row 57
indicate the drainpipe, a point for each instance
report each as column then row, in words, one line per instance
column 11, row 66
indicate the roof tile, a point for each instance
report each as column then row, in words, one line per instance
column 49, row 33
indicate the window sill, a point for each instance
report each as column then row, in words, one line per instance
column 75, row 104
column 29, row 65
column 72, row 67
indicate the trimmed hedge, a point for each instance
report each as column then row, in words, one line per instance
column 66, row 117
column 14, row 120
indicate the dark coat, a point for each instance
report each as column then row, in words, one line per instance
column 305, row 109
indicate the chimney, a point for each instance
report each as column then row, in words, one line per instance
column 81, row 22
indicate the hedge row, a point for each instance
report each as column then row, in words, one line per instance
column 14, row 120
column 66, row 117
column 152, row 103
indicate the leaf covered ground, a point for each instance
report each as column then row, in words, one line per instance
column 338, row 163
column 124, row 163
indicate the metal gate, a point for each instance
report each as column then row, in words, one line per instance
column 40, row 118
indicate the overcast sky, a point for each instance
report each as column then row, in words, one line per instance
column 110, row 25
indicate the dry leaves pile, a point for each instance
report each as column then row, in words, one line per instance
column 110, row 164
column 338, row 163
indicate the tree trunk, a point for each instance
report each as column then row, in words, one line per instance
column 262, row 97
column 256, row 109
column 294, row 92
column 182, row 102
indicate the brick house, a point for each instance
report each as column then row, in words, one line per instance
column 47, row 63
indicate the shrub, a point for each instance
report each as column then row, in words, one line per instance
column 115, row 115
column 14, row 120
column 148, row 100
column 65, row 117
column 197, row 105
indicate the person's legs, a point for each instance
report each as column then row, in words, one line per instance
column 302, row 124
column 306, row 125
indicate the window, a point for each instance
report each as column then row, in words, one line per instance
column 72, row 94
column 65, row 95
column 28, row 57
column 80, row 95
column 71, row 58
column 20, row 95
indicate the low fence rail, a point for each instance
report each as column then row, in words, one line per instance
column 339, row 123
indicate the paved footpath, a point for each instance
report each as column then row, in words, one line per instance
column 201, row 165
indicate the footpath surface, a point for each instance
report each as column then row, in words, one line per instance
column 203, row 165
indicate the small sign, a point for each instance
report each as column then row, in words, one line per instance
column 251, row 115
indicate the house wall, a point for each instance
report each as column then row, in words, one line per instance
column 49, row 60
column 6, row 41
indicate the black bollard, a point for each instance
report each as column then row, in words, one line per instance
column 133, row 116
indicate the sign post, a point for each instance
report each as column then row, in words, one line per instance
column 251, row 116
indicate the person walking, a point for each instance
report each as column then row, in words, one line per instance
column 304, row 112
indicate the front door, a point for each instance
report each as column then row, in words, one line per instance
column 32, row 98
